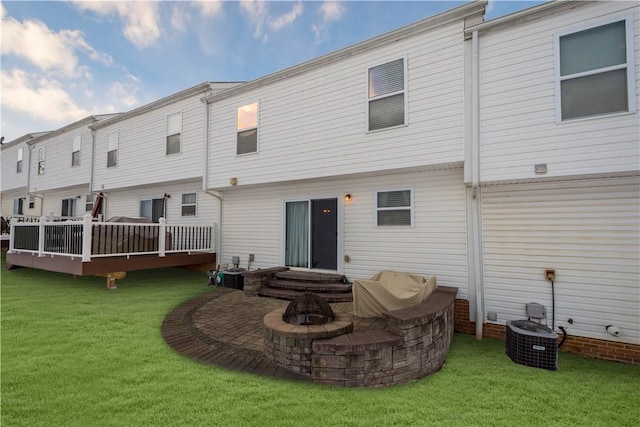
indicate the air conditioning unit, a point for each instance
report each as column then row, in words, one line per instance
column 532, row 344
column 233, row 278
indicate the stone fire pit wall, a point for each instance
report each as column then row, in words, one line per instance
column 415, row 344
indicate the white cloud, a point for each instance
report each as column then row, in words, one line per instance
column 256, row 11
column 288, row 18
column 123, row 94
column 41, row 97
column 328, row 12
column 210, row 7
column 179, row 17
column 140, row 18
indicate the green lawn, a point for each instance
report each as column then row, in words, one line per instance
column 75, row 354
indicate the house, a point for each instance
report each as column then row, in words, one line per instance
column 452, row 147
column 555, row 162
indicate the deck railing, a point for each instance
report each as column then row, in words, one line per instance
column 90, row 239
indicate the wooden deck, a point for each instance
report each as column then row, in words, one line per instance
column 62, row 264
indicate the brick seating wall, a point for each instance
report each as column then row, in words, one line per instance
column 415, row 344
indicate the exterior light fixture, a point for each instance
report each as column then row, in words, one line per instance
column 347, row 197
column 540, row 168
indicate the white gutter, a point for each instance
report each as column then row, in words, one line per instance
column 93, row 158
column 475, row 182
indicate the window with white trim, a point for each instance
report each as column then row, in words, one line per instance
column 32, row 202
column 595, row 71
column 88, row 203
column 189, row 204
column 18, row 206
column 386, row 104
column 112, row 149
column 69, row 207
column 247, row 129
column 75, row 151
column 152, row 209
column 41, row 161
column 19, row 160
column 394, row 208
column 174, row 130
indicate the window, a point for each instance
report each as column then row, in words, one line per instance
column 69, row 207
column 189, row 204
column 75, row 151
column 41, row 159
column 247, row 127
column 394, row 207
column 595, row 71
column 152, row 209
column 386, row 95
column 18, row 206
column 112, row 150
column 32, row 202
column 88, row 203
column 174, row 129
column 19, row 161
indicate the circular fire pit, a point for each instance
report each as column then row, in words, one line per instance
column 290, row 345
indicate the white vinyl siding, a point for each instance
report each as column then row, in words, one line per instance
column 435, row 246
column 386, row 92
column 9, row 161
column 588, row 231
column 518, row 104
column 594, row 70
column 314, row 125
column 174, row 129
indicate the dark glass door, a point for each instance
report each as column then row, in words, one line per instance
column 324, row 234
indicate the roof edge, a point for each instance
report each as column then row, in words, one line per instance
column 460, row 12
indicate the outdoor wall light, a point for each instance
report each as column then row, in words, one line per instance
column 347, row 197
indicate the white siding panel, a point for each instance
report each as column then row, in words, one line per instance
column 315, row 124
column 518, row 128
column 436, row 245
column 58, row 170
column 142, row 158
column 52, row 200
column 8, row 162
column 588, row 231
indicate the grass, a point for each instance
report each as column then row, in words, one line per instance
column 75, row 354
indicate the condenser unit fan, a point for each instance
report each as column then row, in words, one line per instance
column 532, row 344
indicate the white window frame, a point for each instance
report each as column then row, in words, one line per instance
column 76, row 145
column 151, row 199
column 629, row 66
column 404, row 91
column 244, row 129
column 18, row 206
column 42, row 160
column 20, row 156
column 167, row 135
column 411, row 208
column 72, row 203
column 89, row 200
column 117, row 149
column 194, row 204
column 32, row 201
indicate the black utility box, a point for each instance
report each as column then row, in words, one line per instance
column 233, row 278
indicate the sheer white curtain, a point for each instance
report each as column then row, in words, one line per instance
column 297, row 234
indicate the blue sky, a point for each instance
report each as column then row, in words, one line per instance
column 63, row 61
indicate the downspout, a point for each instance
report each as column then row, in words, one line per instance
column 205, row 179
column 93, row 158
column 476, row 191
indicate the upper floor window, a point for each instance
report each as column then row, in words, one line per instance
column 41, row 160
column 386, row 95
column 112, row 150
column 75, row 151
column 189, row 204
column 247, row 128
column 19, row 160
column 174, row 129
column 595, row 70
column 394, row 207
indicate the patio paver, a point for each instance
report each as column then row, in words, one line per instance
column 224, row 328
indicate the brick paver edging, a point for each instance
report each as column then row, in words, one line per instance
column 183, row 336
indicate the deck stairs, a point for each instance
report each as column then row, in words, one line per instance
column 290, row 284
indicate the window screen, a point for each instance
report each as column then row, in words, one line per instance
column 394, row 208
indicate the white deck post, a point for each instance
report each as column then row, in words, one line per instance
column 41, row 236
column 162, row 236
column 12, row 235
column 213, row 241
column 87, row 225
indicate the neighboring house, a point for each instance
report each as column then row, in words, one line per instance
column 14, row 156
column 59, row 170
column 558, row 163
column 148, row 161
